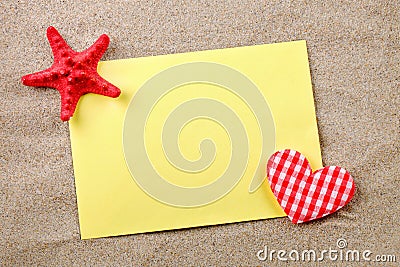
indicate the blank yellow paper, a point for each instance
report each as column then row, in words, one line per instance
column 187, row 141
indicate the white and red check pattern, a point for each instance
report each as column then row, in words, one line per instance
column 303, row 195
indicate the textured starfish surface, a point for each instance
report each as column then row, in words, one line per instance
column 73, row 73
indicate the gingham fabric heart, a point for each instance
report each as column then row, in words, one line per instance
column 303, row 195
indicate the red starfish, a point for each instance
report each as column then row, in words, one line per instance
column 73, row 73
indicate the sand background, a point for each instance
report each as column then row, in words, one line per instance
column 354, row 52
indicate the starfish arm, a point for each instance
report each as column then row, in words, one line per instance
column 68, row 104
column 96, row 50
column 58, row 45
column 106, row 88
column 44, row 78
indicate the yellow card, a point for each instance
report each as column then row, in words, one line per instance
column 186, row 143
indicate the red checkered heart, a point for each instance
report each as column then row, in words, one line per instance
column 303, row 195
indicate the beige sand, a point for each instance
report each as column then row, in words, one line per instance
column 354, row 51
